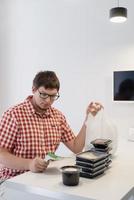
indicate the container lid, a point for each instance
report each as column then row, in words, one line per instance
column 70, row 169
column 91, row 156
column 100, row 141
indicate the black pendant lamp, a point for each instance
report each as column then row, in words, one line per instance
column 118, row 14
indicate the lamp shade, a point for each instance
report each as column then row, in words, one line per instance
column 118, row 14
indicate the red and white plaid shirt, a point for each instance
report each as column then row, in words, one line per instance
column 28, row 134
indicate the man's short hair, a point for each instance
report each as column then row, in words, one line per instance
column 47, row 79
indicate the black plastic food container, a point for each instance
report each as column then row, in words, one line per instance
column 70, row 175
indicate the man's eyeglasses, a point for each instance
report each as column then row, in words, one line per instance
column 44, row 95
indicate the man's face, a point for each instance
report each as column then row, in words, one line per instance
column 44, row 98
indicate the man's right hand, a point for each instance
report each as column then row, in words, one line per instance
column 38, row 165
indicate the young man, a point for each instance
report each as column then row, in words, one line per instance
column 30, row 130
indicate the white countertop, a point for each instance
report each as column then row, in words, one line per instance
column 112, row 185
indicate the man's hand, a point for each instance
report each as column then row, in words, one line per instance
column 38, row 165
column 93, row 108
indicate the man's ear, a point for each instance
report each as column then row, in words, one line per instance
column 33, row 89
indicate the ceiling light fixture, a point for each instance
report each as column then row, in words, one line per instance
column 118, row 14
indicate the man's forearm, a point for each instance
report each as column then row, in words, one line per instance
column 13, row 162
column 79, row 141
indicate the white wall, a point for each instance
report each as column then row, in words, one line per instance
column 73, row 38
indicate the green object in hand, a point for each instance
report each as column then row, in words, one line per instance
column 52, row 156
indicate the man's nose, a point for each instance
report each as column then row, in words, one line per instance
column 48, row 99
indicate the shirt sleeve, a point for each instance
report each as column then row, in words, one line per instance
column 67, row 133
column 8, row 131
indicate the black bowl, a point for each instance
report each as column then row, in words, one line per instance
column 70, row 175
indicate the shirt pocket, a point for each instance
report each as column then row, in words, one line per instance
column 53, row 134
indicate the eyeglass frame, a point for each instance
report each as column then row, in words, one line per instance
column 52, row 97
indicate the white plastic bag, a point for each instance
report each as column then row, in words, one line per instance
column 100, row 126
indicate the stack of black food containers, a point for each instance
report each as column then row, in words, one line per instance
column 95, row 161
